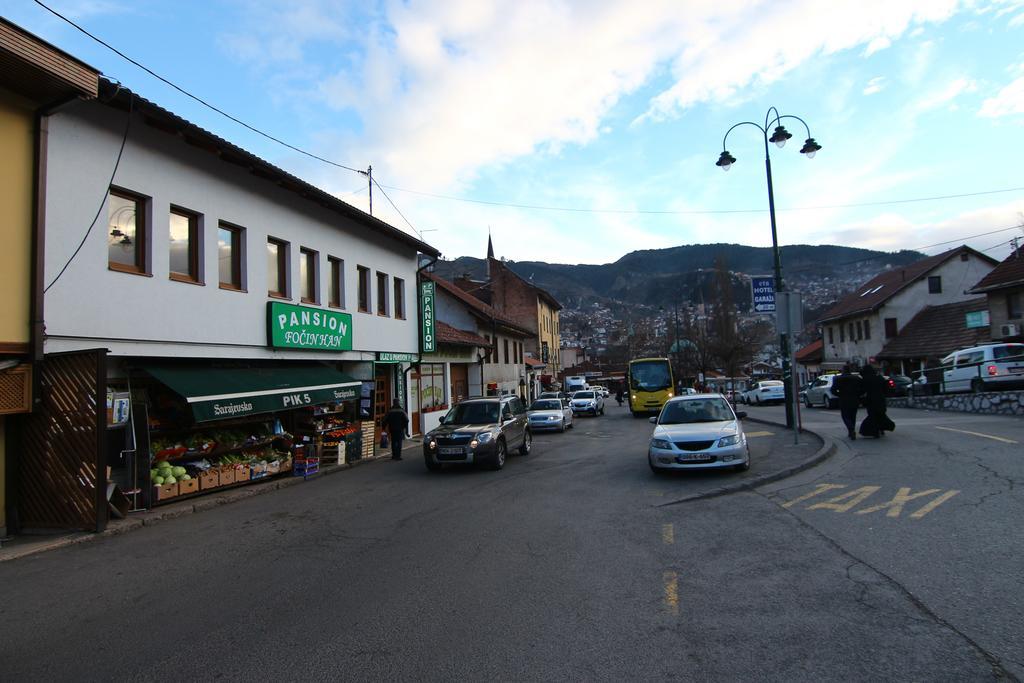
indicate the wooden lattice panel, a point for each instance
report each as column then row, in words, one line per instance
column 16, row 389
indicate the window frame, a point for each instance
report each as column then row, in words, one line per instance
column 935, row 284
column 891, row 324
column 382, row 294
column 336, row 284
column 398, row 286
column 363, row 301
column 195, row 247
column 238, row 259
column 142, row 263
column 867, row 329
column 831, row 337
column 282, row 268
column 506, row 350
column 1014, row 307
column 310, row 260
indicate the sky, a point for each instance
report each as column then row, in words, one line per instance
column 579, row 131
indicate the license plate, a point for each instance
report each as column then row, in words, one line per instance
column 695, row 457
column 1017, row 369
column 450, row 450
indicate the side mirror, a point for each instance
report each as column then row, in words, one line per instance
column 741, row 414
column 653, row 420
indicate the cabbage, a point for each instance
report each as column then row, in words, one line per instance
column 185, row 477
column 163, row 465
column 177, row 471
column 158, row 480
column 153, row 474
column 170, row 480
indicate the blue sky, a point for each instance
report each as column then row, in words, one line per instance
column 608, row 113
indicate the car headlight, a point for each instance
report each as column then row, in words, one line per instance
column 661, row 443
column 730, row 440
column 431, row 443
column 484, row 437
column 552, row 418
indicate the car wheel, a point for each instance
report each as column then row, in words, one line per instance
column 498, row 459
column 743, row 467
column 824, row 402
column 431, row 464
column 807, row 401
column 657, row 471
column 527, row 443
column 562, row 427
column 977, row 386
column 833, row 403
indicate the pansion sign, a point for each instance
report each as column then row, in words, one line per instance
column 301, row 327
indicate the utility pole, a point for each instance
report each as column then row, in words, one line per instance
column 369, row 180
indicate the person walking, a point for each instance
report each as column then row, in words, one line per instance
column 396, row 421
column 849, row 388
column 877, row 423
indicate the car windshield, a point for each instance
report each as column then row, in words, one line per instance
column 546, row 405
column 1010, row 351
column 650, row 376
column 700, row 410
column 473, row 414
column 583, row 394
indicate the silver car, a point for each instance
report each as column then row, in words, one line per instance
column 550, row 413
column 697, row 432
column 588, row 401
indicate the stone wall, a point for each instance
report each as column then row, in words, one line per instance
column 989, row 402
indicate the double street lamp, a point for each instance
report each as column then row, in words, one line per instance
column 779, row 136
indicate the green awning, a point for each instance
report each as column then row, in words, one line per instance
column 223, row 393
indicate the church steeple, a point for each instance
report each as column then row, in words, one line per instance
column 490, row 246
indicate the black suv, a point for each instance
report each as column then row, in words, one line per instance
column 481, row 431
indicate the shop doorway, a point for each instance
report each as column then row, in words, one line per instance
column 381, row 395
column 460, row 383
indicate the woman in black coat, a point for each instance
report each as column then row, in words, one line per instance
column 877, row 423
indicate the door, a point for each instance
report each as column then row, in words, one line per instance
column 460, row 383
column 381, row 395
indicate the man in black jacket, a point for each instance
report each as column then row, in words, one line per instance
column 849, row 388
column 396, row 420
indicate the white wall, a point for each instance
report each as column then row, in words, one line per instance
column 152, row 315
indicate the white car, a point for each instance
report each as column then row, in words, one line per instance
column 820, row 393
column 766, row 391
column 984, row 368
column 550, row 413
column 696, row 432
column 588, row 401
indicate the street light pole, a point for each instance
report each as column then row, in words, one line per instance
column 779, row 136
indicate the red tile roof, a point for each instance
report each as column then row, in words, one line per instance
column 446, row 334
column 1009, row 273
column 884, row 286
column 812, row 353
column 477, row 307
column 534, row 363
column 937, row 330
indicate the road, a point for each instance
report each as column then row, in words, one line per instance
column 571, row 563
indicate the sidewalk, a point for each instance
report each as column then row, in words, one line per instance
column 30, row 544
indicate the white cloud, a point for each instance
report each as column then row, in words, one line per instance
column 875, row 85
column 1009, row 100
column 945, row 95
column 877, row 45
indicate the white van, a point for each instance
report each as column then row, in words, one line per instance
column 984, row 368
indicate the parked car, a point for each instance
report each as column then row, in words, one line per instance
column 984, row 368
column 588, row 401
column 479, row 431
column 898, row 385
column 550, row 413
column 701, row 431
column 764, row 392
column 820, row 393
column 554, row 394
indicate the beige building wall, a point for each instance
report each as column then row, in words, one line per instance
column 547, row 331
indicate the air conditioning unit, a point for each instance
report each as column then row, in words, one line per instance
column 1008, row 330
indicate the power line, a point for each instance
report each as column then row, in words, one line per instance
column 696, row 212
column 196, row 98
column 396, row 207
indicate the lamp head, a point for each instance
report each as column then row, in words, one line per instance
column 725, row 160
column 810, row 148
column 780, row 136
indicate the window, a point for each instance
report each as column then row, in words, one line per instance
column 184, row 246
column 842, row 334
column 487, row 356
column 852, row 338
column 336, row 287
column 277, row 268
column 432, row 387
column 867, row 329
column 126, row 232
column 506, row 352
column 364, row 289
column 382, row 294
column 831, row 338
column 400, row 298
column 890, row 328
column 935, row 284
column 1013, row 307
column 309, row 289
column 860, row 331
column 231, row 257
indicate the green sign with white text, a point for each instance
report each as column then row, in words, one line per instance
column 428, row 341
column 301, row 327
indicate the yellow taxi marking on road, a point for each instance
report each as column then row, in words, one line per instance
column 850, row 499
column 984, row 436
column 671, row 593
column 668, row 534
column 754, row 434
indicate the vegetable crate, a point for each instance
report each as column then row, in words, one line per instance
column 305, row 467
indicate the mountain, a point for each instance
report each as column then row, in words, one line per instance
column 663, row 277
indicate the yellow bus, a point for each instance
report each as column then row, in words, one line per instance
column 650, row 385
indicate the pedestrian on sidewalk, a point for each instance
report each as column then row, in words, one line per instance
column 849, row 388
column 877, row 423
column 396, row 421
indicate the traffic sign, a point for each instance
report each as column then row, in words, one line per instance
column 763, row 294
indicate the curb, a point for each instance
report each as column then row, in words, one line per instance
column 827, row 450
column 173, row 511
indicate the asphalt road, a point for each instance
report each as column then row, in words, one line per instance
column 571, row 563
